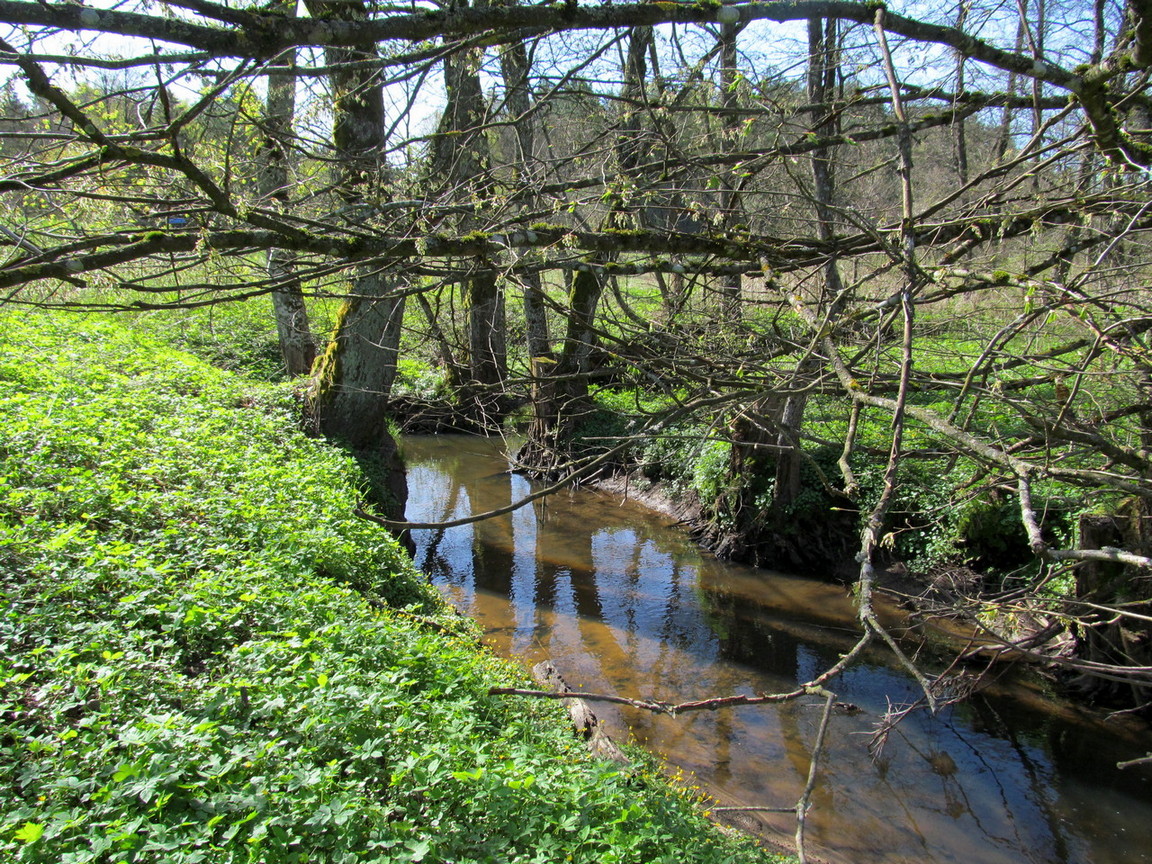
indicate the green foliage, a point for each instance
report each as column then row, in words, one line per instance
column 935, row 521
column 238, row 336
column 205, row 656
column 598, row 431
column 671, row 457
column 420, row 378
column 710, row 470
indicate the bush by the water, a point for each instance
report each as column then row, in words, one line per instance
column 206, row 656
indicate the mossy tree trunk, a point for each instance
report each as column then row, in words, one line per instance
column 354, row 377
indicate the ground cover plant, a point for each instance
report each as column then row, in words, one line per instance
column 206, row 656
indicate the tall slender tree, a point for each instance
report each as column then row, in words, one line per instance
column 460, row 169
column 297, row 345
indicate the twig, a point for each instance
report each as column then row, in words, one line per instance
column 803, row 804
column 815, row 686
column 1143, row 760
column 656, row 706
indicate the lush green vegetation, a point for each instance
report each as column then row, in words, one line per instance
column 207, row 657
column 944, row 514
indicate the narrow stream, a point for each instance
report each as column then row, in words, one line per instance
column 625, row 604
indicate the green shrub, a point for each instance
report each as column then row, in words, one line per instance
column 419, row 378
column 710, row 469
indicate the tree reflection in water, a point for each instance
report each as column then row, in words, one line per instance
column 625, row 605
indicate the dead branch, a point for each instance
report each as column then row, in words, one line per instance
column 586, row 723
column 803, row 804
column 1143, row 760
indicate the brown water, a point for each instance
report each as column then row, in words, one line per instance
column 623, row 603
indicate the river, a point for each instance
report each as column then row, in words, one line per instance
column 625, row 604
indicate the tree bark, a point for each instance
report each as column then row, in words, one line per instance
column 460, row 167
column 297, row 346
column 515, row 67
column 730, row 287
column 959, row 122
column 354, row 377
column 561, row 397
column 823, row 69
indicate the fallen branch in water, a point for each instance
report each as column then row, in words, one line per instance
column 813, row 687
column 586, row 723
column 657, row 706
column 806, row 797
column 588, row 726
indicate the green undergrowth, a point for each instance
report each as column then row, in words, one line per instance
column 942, row 514
column 205, row 656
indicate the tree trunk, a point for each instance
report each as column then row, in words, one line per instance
column 460, row 167
column 297, row 346
column 1102, row 636
column 730, row 287
column 353, row 379
column 561, row 399
column 1004, row 134
column 823, row 67
column 514, row 66
column 958, row 123
column 560, row 392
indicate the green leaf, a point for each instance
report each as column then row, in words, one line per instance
column 124, row 772
column 30, row 833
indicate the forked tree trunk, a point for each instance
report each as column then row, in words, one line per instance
column 1004, row 134
column 560, row 395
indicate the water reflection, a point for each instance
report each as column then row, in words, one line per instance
column 622, row 604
